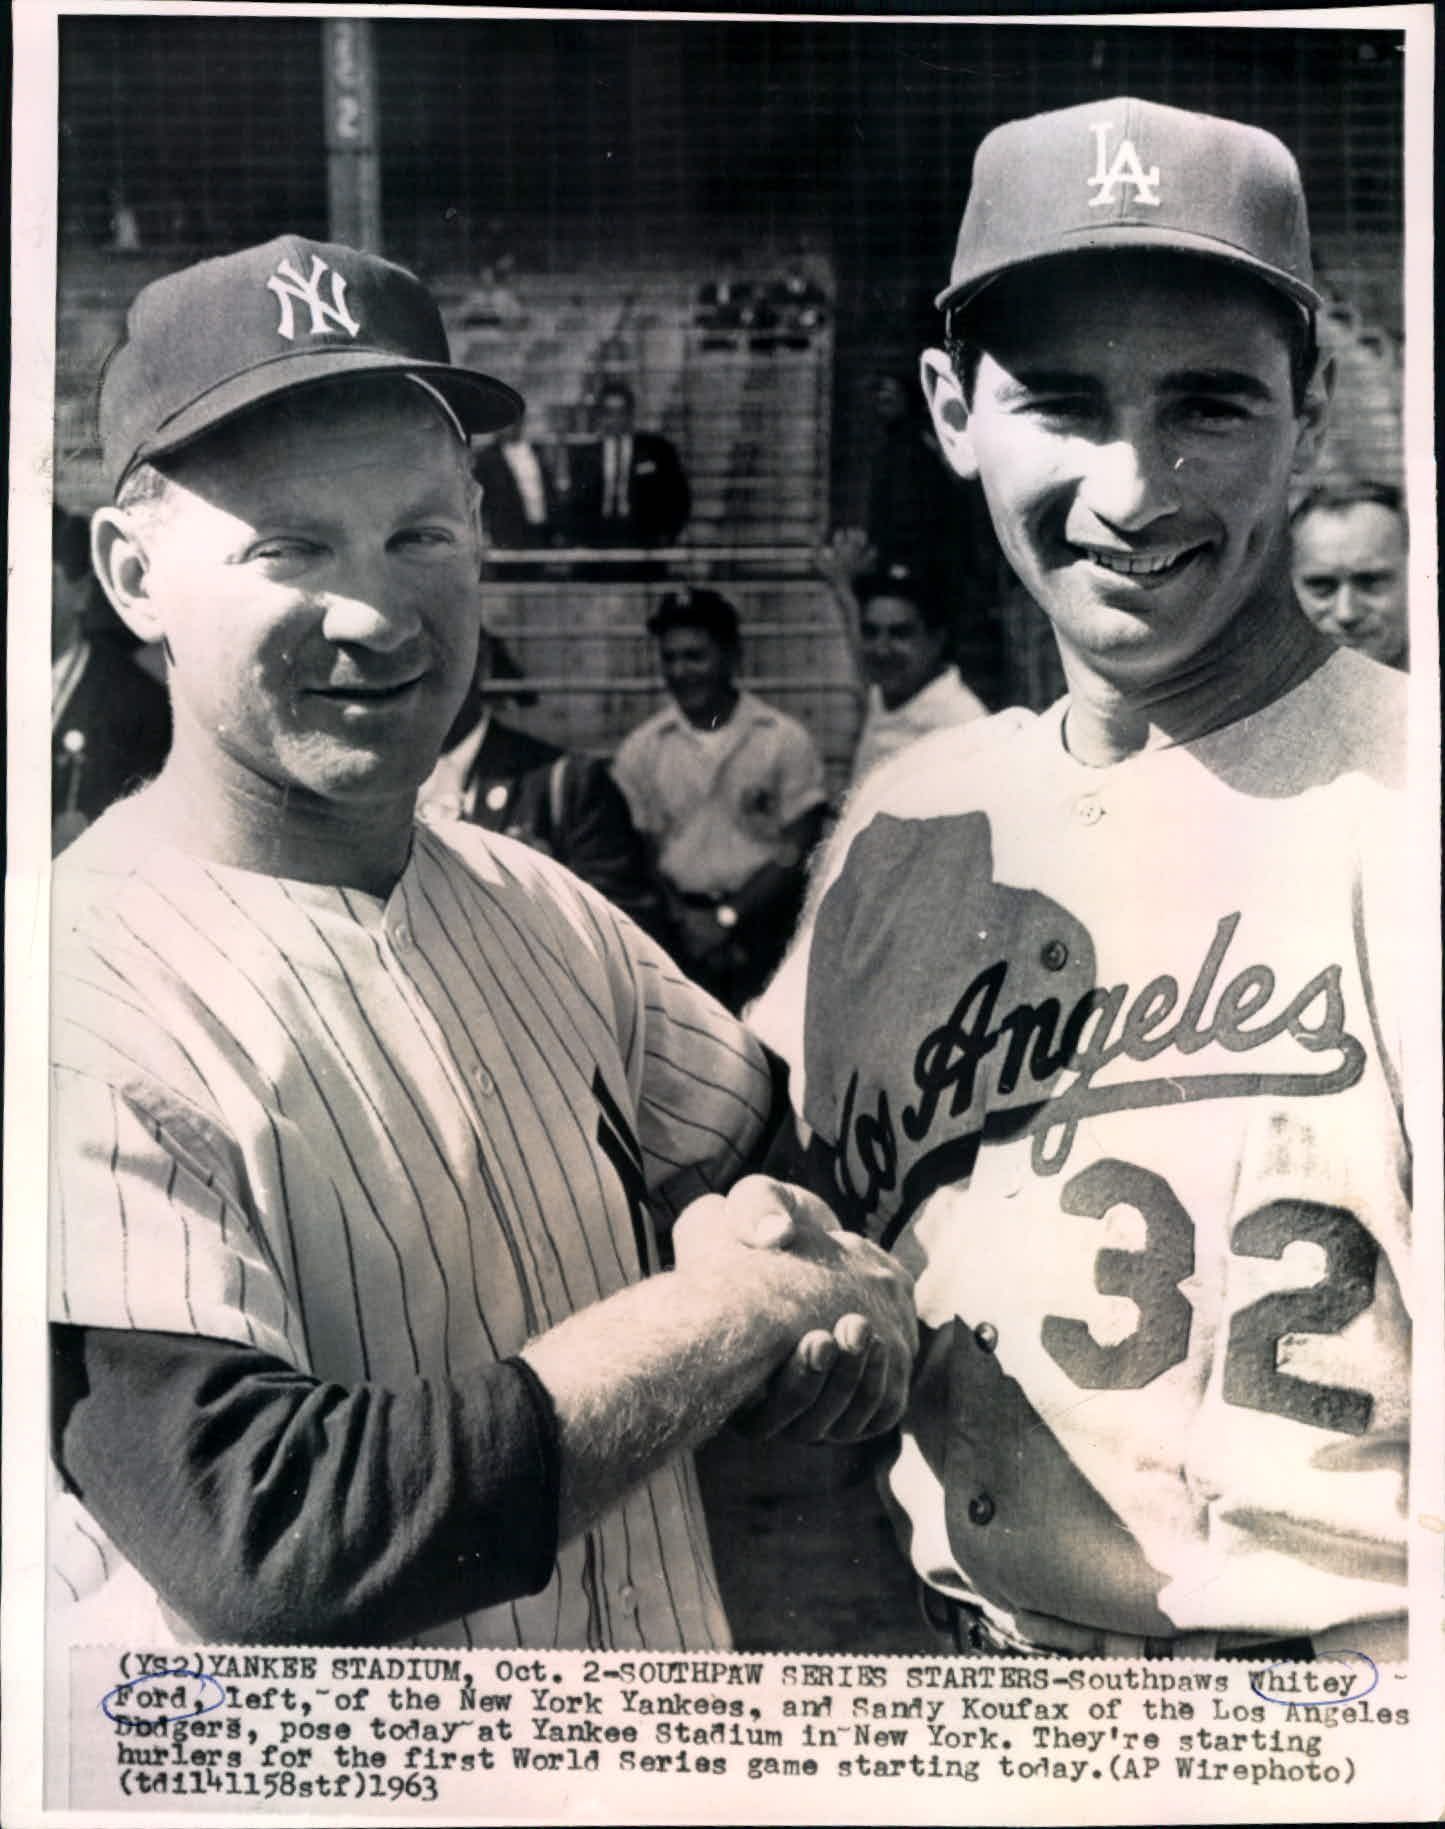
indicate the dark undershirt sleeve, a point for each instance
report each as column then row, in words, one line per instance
column 268, row 1507
column 771, row 1154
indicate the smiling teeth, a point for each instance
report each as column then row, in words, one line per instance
column 1133, row 565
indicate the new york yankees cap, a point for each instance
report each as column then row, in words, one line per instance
column 206, row 343
column 1133, row 174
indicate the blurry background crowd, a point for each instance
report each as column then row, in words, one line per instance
column 728, row 570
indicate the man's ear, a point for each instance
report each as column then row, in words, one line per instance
column 117, row 551
column 1314, row 416
column 946, row 403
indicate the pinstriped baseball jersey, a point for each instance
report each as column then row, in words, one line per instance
column 1110, row 1057
column 384, row 1140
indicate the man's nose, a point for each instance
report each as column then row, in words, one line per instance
column 1348, row 608
column 362, row 610
column 1130, row 480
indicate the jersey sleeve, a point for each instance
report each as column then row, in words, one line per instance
column 149, row 1226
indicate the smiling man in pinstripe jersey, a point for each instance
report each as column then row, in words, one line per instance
column 360, row 1129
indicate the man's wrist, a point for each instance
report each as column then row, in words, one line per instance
column 785, row 1294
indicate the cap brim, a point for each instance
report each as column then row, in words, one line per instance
column 1124, row 235
column 480, row 402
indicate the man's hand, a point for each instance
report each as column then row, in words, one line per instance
column 846, row 556
column 844, row 1381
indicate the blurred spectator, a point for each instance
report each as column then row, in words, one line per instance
column 1350, row 553
column 728, row 792
column 912, row 501
column 561, row 803
column 898, row 628
column 628, row 488
column 920, row 514
column 124, row 223
column 491, row 304
column 110, row 723
column 520, row 500
column 725, row 304
column 798, row 305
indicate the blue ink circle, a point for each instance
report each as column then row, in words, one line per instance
column 1332, row 1657
column 165, row 1676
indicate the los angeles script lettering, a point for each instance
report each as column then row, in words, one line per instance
column 1034, row 1044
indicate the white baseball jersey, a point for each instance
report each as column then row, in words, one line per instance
column 1109, row 1057
column 386, row 1140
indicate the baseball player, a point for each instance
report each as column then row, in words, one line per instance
column 1094, row 1020
column 360, row 1126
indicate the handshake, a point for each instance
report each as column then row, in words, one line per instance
column 847, row 1324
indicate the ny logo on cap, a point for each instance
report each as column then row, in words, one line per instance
column 1125, row 169
column 288, row 284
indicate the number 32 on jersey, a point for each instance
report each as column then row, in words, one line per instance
column 1150, row 1279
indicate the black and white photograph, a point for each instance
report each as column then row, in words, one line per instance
column 723, row 1027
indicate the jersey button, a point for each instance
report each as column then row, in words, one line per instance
column 985, row 1336
column 1054, row 954
column 980, row 1509
column 1088, row 810
column 483, row 1082
column 627, row 1597
column 401, row 936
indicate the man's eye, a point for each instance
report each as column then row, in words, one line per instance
column 1062, row 409
column 282, row 549
column 1206, row 409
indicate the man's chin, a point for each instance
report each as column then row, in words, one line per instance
column 358, row 777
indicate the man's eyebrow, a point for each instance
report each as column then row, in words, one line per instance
column 1048, row 381
column 1219, row 381
column 1229, row 381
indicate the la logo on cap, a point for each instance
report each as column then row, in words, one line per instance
column 1124, row 169
column 288, row 284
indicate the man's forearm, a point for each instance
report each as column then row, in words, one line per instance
column 647, row 1375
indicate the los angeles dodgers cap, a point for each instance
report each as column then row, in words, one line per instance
column 206, row 343
column 1133, row 174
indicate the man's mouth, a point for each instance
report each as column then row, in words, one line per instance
column 377, row 692
column 368, row 688
column 1157, row 564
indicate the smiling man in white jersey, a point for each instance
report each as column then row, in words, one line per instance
column 361, row 1332
column 1094, row 1017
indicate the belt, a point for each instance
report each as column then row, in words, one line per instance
column 970, row 1629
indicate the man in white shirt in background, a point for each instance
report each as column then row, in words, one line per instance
column 728, row 792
